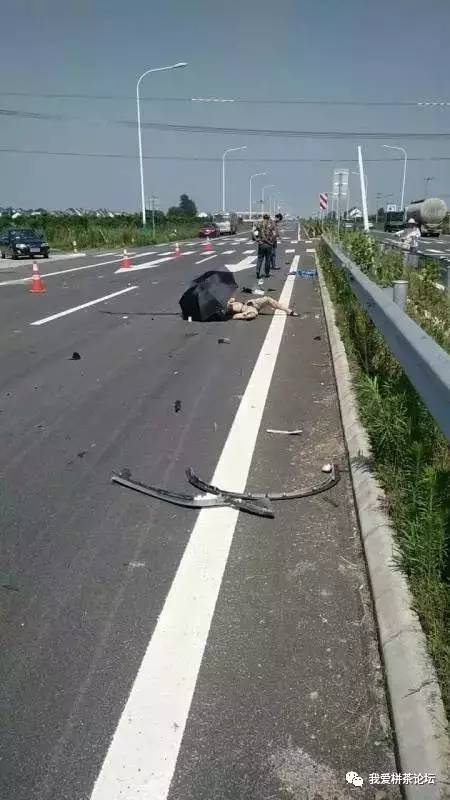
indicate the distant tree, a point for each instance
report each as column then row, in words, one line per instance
column 187, row 206
column 380, row 212
column 173, row 211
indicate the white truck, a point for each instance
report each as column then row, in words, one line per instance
column 429, row 215
column 227, row 222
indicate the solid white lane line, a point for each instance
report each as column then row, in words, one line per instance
column 294, row 241
column 188, row 252
column 72, row 269
column 247, row 252
column 145, row 265
column 84, row 305
column 290, row 250
column 310, row 249
column 142, row 756
column 206, row 259
column 103, row 255
column 228, row 252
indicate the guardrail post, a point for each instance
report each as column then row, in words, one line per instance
column 411, row 260
column 400, row 293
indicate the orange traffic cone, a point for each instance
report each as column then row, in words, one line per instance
column 37, row 285
column 177, row 251
column 126, row 263
column 207, row 246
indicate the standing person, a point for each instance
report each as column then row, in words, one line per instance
column 278, row 218
column 410, row 236
column 266, row 236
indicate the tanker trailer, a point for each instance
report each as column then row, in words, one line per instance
column 429, row 215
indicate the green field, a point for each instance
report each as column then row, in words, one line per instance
column 90, row 231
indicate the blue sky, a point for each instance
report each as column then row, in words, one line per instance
column 347, row 50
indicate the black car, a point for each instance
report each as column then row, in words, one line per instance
column 19, row 242
column 394, row 221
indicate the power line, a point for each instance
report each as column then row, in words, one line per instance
column 270, row 132
column 291, row 134
column 238, row 100
column 213, row 159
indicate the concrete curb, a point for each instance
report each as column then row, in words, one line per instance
column 418, row 716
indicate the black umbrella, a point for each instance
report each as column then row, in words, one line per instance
column 208, row 295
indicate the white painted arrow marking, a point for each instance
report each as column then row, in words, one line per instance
column 246, row 263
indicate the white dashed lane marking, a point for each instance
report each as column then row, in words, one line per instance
column 84, row 305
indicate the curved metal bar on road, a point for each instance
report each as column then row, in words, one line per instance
column 250, row 505
column 295, row 494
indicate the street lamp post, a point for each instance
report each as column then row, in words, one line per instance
column 138, row 105
column 230, row 150
column 366, row 182
column 402, row 150
column 275, row 198
column 269, row 186
column 250, row 206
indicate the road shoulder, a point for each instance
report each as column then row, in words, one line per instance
column 414, row 694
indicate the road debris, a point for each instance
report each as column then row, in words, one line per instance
column 317, row 338
column 224, row 340
column 261, row 507
column 295, row 494
column 8, row 582
column 75, row 356
column 177, row 406
column 286, row 433
column 327, row 468
column 82, row 453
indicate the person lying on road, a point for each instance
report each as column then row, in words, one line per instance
column 251, row 308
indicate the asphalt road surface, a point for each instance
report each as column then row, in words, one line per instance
column 151, row 652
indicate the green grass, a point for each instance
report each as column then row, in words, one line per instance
column 90, row 232
column 411, row 456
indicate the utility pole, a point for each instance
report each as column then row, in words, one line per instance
column 378, row 197
column 339, row 203
column 152, row 205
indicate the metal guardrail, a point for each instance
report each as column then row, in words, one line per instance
column 425, row 363
column 417, row 259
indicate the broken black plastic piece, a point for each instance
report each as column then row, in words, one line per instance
column 261, row 507
column 296, row 494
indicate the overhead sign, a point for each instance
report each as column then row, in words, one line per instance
column 340, row 182
column 391, row 207
column 323, row 201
